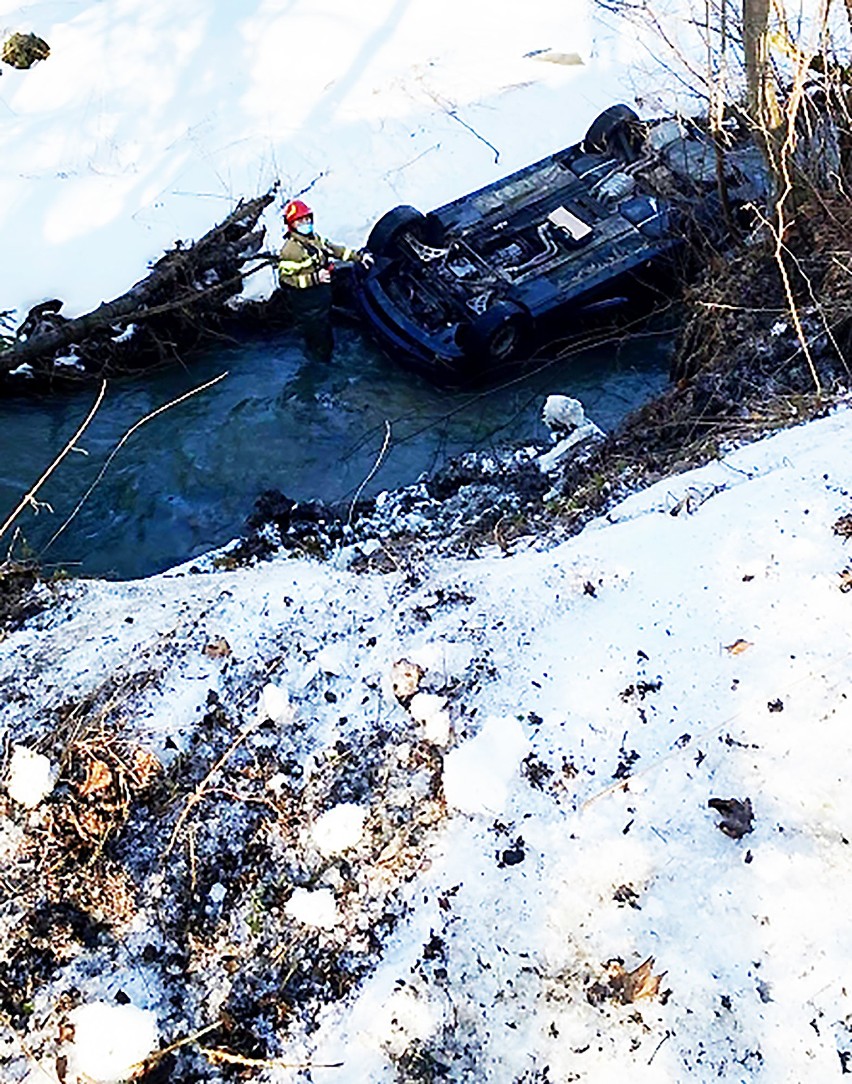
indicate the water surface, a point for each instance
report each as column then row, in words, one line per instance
column 184, row 482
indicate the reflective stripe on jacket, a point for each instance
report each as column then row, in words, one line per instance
column 302, row 258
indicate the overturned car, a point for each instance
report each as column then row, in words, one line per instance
column 468, row 288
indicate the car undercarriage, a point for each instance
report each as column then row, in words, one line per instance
column 470, row 281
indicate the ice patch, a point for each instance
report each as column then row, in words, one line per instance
column 314, row 908
column 31, row 777
column 339, row 829
column 477, row 776
column 109, row 1040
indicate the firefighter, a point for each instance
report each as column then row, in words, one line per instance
column 304, row 271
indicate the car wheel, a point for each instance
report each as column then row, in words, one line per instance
column 617, row 131
column 391, row 226
column 497, row 334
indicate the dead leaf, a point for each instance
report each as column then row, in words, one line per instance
column 737, row 816
column 218, row 648
column 738, row 647
column 626, row 986
column 98, row 777
column 406, row 677
column 66, row 1032
column 843, row 527
column 23, row 50
column 144, row 767
column 551, row 56
column 639, row 983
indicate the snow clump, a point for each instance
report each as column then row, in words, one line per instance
column 313, row 908
column 339, row 829
column 429, row 710
column 110, row 1040
column 31, row 777
column 274, row 704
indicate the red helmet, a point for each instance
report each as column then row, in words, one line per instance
column 295, row 210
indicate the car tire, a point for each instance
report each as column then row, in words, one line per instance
column 498, row 334
column 391, row 226
column 617, row 131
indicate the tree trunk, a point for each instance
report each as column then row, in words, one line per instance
column 765, row 112
column 184, row 280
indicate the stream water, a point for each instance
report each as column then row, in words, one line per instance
column 185, row 480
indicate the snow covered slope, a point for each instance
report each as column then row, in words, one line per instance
column 150, row 119
column 469, row 885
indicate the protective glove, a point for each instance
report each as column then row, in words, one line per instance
column 366, row 259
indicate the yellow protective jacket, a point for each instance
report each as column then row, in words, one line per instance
column 302, row 258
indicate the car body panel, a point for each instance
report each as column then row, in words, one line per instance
column 563, row 236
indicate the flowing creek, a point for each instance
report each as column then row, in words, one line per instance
column 185, row 480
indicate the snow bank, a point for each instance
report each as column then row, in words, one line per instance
column 470, row 906
column 145, row 126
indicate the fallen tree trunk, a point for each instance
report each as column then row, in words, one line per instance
column 188, row 284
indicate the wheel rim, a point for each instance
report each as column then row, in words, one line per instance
column 504, row 341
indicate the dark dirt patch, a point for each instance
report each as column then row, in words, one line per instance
column 18, row 599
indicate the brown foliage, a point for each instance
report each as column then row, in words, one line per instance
column 24, row 50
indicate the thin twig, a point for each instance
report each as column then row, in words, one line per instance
column 667, row 1035
column 160, row 1054
column 28, row 499
column 201, row 788
column 264, row 1063
column 452, row 113
column 372, row 473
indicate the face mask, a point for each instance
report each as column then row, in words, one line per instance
column 305, row 228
